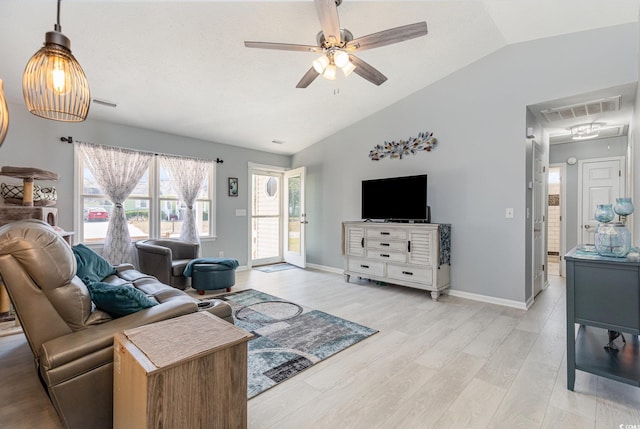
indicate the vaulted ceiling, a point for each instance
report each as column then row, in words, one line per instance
column 182, row 68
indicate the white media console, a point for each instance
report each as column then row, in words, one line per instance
column 409, row 254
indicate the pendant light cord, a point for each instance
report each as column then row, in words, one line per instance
column 57, row 27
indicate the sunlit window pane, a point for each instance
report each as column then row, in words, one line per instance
column 166, row 190
column 171, row 217
column 142, row 188
column 203, row 211
column 152, row 198
column 89, row 185
column 97, row 212
column 95, row 218
column 137, row 213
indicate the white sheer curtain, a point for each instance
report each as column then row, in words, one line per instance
column 117, row 171
column 187, row 176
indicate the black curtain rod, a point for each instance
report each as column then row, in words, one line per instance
column 70, row 141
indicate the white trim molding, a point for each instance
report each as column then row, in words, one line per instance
column 492, row 300
column 457, row 293
column 326, row 268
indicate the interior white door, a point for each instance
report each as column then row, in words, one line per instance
column 539, row 223
column 295, row 218
column 602, row 181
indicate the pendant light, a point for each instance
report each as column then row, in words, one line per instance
column 4, row 115
column 54, row 85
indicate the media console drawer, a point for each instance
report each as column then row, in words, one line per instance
column 388, row 245
column 386, row 255
column 387, row 233
column 366, row 267
column 410, row 273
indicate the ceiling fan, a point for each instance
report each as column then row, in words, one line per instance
column 337, row 45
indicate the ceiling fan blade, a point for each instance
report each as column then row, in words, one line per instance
column 308, row 77
column 283, row 46
column 367, row 71
column 328, row 14
column 388, row 37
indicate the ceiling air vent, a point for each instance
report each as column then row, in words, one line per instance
column 610, row 104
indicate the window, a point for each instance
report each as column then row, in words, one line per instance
column 152, row 210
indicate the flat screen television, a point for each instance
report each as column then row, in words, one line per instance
column 395, row 199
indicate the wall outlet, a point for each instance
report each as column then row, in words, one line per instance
column 508, row 214
column 221, row 254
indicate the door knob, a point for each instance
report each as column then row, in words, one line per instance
column 587, row 226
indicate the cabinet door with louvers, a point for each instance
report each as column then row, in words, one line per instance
column 422, row 247
column 355, row 241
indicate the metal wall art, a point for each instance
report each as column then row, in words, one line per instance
column 423, row 142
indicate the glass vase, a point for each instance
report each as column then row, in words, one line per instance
column 604, row 213
column 613, row 239
column 623, row 206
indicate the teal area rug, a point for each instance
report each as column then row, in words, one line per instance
column 275, row 268
column 289, row 337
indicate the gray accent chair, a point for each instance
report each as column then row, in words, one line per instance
column 166, row 260
column 72, row 340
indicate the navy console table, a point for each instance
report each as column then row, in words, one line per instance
column 603, row 293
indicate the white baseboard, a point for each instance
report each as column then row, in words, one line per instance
column 326, row 268
column 467, row 295
column 529, row 302
column 314, row 266
column 491, row 300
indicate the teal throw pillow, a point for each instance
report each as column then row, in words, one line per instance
column 119, row 300
column 91, row 266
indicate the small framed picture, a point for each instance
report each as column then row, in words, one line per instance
column 233, row 186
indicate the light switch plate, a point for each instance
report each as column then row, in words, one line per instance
column 241, row 212
column 508, row 214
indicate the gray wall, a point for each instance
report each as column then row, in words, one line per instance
column 35, row 142
column 590, row 149
column 479, row 168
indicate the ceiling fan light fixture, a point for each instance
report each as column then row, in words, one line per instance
column 586, row 131
column 321, row 63
column 340, row 58
column 4, row 115
column 330, row 72
column 348, row 68
column 53, row 84
column 338, row 45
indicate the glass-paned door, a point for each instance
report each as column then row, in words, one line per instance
column 295, row 218
column 266, row 216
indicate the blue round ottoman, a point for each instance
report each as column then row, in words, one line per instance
column 208, row 276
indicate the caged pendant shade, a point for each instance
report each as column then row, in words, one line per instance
column 4, row 115
column 54, row 85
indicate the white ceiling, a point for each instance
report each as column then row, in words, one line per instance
column 181, row 67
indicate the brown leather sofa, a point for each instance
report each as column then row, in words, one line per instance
column 167, row 259
column 71, row 340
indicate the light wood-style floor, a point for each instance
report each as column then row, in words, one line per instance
column 451, row 364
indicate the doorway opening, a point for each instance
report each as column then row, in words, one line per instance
column 555, row 242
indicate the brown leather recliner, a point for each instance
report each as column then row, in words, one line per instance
column 167, row 259
column 71, row 340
